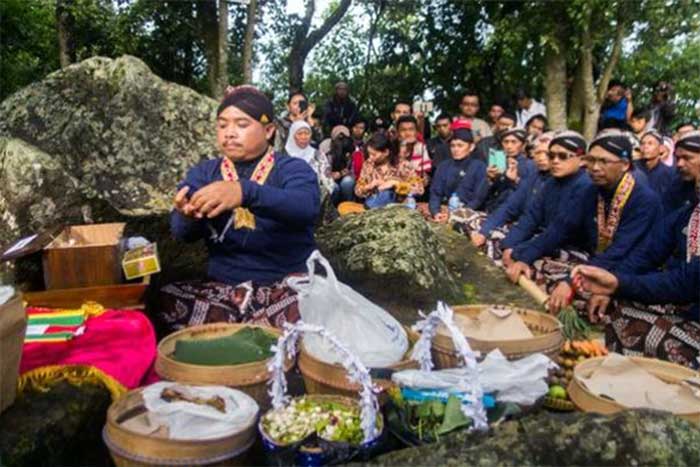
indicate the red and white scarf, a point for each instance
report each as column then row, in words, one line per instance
column 242, row 218
column 607, row 226
column 693, row 245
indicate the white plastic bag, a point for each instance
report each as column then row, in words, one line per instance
column 186, row 420
column 520, row 381
column 368, row 331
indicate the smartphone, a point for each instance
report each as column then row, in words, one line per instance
column 303, row 105
column 497, row 158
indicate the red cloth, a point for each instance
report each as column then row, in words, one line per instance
column 121, row 343
column 358, row 158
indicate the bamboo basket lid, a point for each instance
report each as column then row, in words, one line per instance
column 546, row 329
column 157, row 449
column 587, row 401
column 225, row 375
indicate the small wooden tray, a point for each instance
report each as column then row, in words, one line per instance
column 109, row 296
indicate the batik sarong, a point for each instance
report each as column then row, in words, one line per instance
column 656, row 331
column 467, row 220
column 549, row 271
column 185, row 304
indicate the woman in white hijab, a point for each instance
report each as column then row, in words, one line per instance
column 299, row 145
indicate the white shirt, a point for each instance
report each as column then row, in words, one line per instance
column 536, row 108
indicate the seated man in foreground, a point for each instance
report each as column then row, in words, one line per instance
column 606, row 221
column 255, row 209
column 664, row 320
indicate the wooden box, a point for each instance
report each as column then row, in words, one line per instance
column 13, row 324
column 83, row 256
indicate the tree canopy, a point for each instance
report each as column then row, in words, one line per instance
column 561, row 51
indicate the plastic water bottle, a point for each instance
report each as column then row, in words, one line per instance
column 454, row 203
column 411, row 202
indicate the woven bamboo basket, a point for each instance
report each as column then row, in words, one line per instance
column 327, row 378
column 547, row 339
column 129, row 448
column 250, row 378
column 13, row 323
column 589, row 402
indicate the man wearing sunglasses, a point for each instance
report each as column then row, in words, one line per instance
column 607, row 222
column 544, row 226
column 668, row 327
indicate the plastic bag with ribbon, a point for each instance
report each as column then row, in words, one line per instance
column 367, row 330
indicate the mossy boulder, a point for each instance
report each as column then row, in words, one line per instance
column 390, row 252
column 484, row 281
column 639, row 437
column 35, row 190
column 125, row 135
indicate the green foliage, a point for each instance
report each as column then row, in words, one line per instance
column 435, row 49
column 28, row 45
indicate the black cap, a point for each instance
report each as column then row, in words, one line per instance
column 463, row 134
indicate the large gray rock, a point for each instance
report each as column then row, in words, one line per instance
column 628, row 438
column 125, row 135
column 35, row 190
column 390, row 252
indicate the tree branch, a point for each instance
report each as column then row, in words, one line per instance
column 318, row 34
column 614, row 55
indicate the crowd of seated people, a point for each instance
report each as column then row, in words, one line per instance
column 610, row 225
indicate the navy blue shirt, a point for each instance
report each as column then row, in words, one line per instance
column 466, row 177
column 680, row 285
column 679, row 193
column 516, row 203
column 666, row 244
column 659, row 178
column 641, row 212
column 570, row 219
column 285, row 209
column 554, row 213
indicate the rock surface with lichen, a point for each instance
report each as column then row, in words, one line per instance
column 118, row 130
column 391, row 250
column 639, row 437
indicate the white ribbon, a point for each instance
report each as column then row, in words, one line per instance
column 357, row 372
column 472, row 404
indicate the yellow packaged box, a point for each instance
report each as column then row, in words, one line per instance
column 141, row 261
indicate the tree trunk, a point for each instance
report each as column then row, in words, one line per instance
column 65, row 24
column 208, row 28
column 379, row 7
column 594, row 96
column 248, row 41
column 591, row 109
column 304, row 41
column 555, row 85
column 222, row 51
column 576, row 105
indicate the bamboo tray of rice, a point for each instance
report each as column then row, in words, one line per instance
column 326, row 378
column 129, row 447
column 544, row 331
column 250, row 378
column 635, row 382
